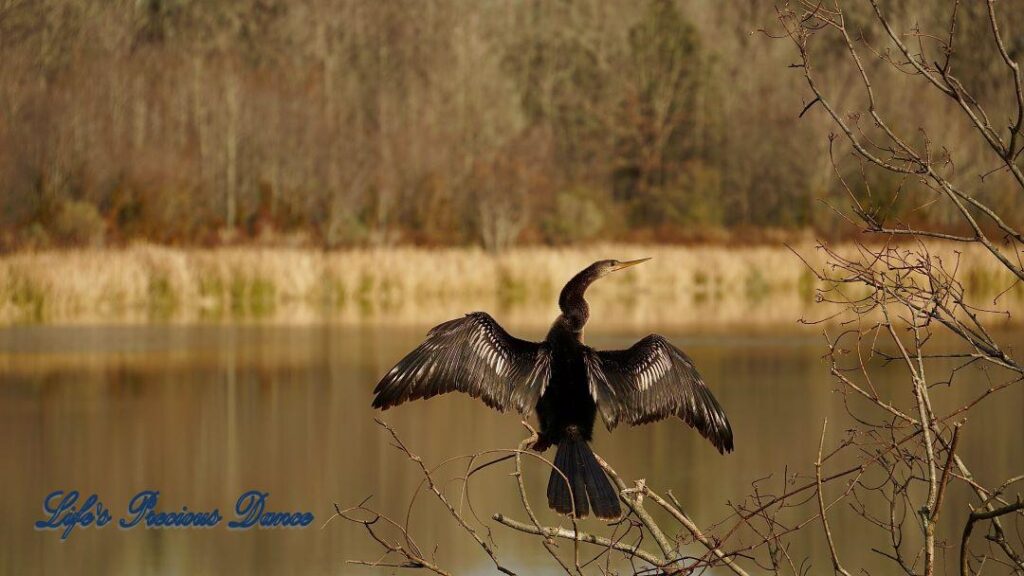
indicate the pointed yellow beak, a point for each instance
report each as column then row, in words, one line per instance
column 628, row 263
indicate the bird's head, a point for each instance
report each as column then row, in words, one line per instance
column 603, row 268
column 574, row 307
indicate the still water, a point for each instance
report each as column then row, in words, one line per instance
column 203, row 413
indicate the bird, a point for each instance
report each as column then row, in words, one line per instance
column 566, row 383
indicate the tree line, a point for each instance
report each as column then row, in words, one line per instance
column 452, row 122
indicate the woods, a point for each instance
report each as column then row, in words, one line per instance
column 363, row 123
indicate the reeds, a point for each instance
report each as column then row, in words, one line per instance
column 681, row 286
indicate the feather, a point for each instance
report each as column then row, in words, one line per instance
column 474, row 355
column 653, row 380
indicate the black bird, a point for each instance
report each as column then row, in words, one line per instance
column 567, row 382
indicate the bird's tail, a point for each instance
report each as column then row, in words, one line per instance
column 590, row 488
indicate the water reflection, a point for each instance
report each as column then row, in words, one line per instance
column 204, row 413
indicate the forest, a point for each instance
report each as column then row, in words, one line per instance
column 358, row 123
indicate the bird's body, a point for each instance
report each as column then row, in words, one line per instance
column 566, row 382
column 566, row 412
column 566, row 401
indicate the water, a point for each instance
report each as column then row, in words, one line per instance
column 204, row 413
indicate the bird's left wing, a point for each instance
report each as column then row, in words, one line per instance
column 653, row 380
column 475, row 355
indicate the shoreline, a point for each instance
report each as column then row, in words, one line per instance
column 683, row 286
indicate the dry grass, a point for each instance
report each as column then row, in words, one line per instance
column 682, row 286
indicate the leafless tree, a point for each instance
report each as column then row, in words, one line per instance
column 901, row 296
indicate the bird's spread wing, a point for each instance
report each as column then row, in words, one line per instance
column 653, row 380
column 475, row 355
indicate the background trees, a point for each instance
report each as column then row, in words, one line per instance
column 352, row 122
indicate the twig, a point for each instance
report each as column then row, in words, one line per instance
column 444, row 500
column 836, row 566
column 559, row 532
column 975, row 517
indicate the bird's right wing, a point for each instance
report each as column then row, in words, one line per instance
column 653, row 380
column 475, row 355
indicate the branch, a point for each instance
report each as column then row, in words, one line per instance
column 444, row 500
column 559, row 532
column 836, row 566
column 977, row 516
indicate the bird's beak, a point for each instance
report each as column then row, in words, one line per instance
column 629, row 263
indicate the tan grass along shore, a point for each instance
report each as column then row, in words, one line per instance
column 682, row 286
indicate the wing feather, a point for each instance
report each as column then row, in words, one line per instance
column 653, row 380
column 474, row 355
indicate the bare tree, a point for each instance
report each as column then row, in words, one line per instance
column 899, row 292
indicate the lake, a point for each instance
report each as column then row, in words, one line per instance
column 203, row 413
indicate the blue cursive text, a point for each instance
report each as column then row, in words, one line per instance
column 64, row 514
column 64, row 511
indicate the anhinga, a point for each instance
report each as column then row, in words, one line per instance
column 567, row 382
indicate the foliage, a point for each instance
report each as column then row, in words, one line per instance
column 360, row 123
column 78, row 223
column 576, row 216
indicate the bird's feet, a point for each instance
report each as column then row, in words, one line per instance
column 542, row 443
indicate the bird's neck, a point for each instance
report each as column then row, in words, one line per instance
column 574, row 307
